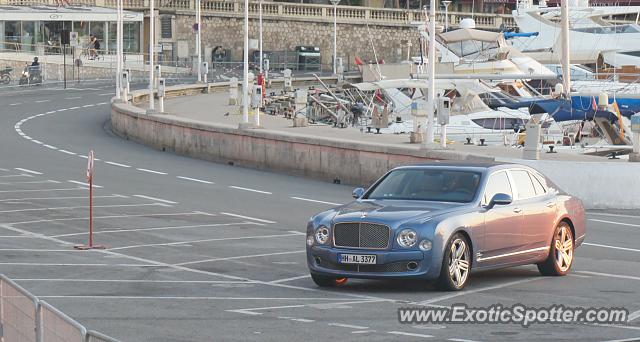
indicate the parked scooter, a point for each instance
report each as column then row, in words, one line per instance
column 5, row 75
column 31, row 75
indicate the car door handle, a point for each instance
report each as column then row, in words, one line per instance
column 551, row 204
column 517, row 210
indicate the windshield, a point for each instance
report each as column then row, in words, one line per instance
column 427, row 185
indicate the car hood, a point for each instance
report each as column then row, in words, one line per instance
column 392, row 212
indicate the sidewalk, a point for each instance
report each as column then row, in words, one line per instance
column 214, row 108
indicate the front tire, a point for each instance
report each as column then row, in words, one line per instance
column 456, row 264
column 560, row 258
column 325, row 281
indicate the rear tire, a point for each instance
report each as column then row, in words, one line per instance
column 560, row 258
column 6, row 79
column 325, row 281
column 456, row 264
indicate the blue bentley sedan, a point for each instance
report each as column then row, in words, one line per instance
column 441, row 221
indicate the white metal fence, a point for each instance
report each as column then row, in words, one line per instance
column 25, row 318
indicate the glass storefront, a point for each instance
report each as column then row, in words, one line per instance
column 27, row 36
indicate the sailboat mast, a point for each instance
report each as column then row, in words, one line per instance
column 566, row 62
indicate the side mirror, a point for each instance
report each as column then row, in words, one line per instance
column 499, row 199
column 357, row 193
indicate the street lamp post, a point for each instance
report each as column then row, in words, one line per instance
column 446, row 4
column 199, row 39
column 335, row 35
column 245, row 82
column 118, row 50
column 152, row 42
column 260, row 43
column 431, row 71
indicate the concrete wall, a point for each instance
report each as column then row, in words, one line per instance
column 604, row 185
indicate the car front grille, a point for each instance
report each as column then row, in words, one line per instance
column 361, row 235
column 390, row 267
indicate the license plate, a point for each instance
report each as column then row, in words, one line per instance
column 367, row 259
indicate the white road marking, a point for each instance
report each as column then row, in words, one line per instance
column 41, row 101
column 195, row 180
column 461, row 340
column 625, row 340
column 29, row 182
column 73, row 98
column 136, row 281
column 97, row 231
column 156, row 199
column 315, row 201
column 633, row 316
column 186, row 297
column 39, row 250
column 240, row 256
column 408, row 334
column 116, row 164
column 54, row 198
column 37, row 141
column 71, row 264
column 610, row 275
column 614, row 215
column 349, row 326
column 41, row 190
column 68, row 152
column 83, row 184
column 50, row 147
column 303, row 320
column 363, row 331
column 612, row 247
column 73, row 108
column 28, row 171
column 618, row 223
column 151, row 171
column 251, row 311
column 15, row 104
column 203, row 240
column 468, row 292
column 248, row 218
column 20, row 175
column 249, row 189
column 102, row 217
column 291, row 279
column 107, row 94
column 83, row 156
column 83, row 207
column 88, row 105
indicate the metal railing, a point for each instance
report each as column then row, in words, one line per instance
column 25, row 318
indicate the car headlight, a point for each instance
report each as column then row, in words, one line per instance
column 425, row 245
column 322, row 235
column 407, row 238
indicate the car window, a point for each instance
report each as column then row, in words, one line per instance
column 498, row 183
column 523, row 184
column 427, row 185
column 537, row 185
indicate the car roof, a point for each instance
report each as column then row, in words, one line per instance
column 477, row 165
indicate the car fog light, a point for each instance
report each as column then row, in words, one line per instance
column 425, row 245
column 322, row 235
column 407, row 238
column 310, row 240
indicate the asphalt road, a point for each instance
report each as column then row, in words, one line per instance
column 208, row 252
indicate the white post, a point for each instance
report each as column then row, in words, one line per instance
column 260, row 14
column 446, row 14
column 199, row 39
column 431, row 71
column 443, row 136
column 335, row 34
column 118, row 55
column 566, row 59
column 152, row 42
column 245, row 82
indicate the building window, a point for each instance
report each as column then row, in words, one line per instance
column 165, row 27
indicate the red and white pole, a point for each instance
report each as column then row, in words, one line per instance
column 90, row 173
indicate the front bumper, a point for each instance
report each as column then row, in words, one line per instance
column 323, row 260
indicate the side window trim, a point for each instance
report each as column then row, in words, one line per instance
column 486, row 200
column 535, row 176
column 514, row 188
